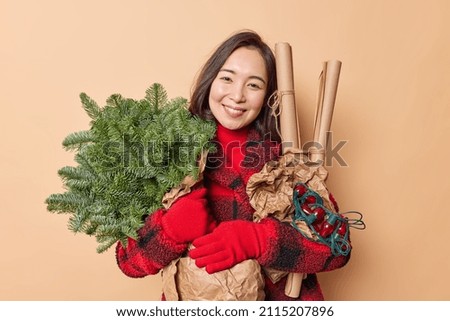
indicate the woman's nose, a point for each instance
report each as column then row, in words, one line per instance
column 237, row 93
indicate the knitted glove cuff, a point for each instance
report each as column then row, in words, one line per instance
column 154, row 239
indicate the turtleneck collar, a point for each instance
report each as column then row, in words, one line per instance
column 232, row 143
column 225, row 135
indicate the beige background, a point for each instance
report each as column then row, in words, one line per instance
column 392, row 108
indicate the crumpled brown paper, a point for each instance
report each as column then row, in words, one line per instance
column 271, row 190
column 182, row 280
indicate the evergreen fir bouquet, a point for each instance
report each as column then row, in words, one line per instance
column 133, row 154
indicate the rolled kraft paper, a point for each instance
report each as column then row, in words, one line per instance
column 293, row 285
column 319, row 105
column 285, row 81
column 288, row 128
column 326, row 101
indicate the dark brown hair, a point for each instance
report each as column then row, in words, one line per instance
column 199, row 104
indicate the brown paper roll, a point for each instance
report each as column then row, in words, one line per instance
column 289, row 128
column 285, row 80
column 326, row 99
column 332, row 71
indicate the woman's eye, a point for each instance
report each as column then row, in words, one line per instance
column 225, row 78
column 254, row 86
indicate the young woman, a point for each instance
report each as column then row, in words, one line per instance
column 232, row 89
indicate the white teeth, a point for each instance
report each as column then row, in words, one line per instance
column 234, row 111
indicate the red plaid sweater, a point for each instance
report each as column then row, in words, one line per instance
column 288, row 250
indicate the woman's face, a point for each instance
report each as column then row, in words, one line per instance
column 238, row 91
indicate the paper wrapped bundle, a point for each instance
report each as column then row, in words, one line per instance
column 184, row 281
column 271, row 190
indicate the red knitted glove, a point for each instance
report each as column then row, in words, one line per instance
column 188, row 218
column 229, row 244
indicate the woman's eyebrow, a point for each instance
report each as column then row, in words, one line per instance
column 251, row 77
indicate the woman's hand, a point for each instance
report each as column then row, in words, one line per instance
column 188, row 218
column 229, row 244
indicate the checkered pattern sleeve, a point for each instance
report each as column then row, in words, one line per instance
column 288, row 250
column 152, row 251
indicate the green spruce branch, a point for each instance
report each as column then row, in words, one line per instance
column 134, row 152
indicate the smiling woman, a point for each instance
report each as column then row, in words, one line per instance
column 237, row 93
column 244, row 55
column 392, row 111
column 233, row 89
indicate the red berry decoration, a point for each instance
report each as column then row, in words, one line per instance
column 327, row 229
column 342, row 229
column 319, row 213
column 306, row 209
column 310, row 199
column 301, row 189
column 317, row 226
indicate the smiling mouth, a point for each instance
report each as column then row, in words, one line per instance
column 233, row 111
